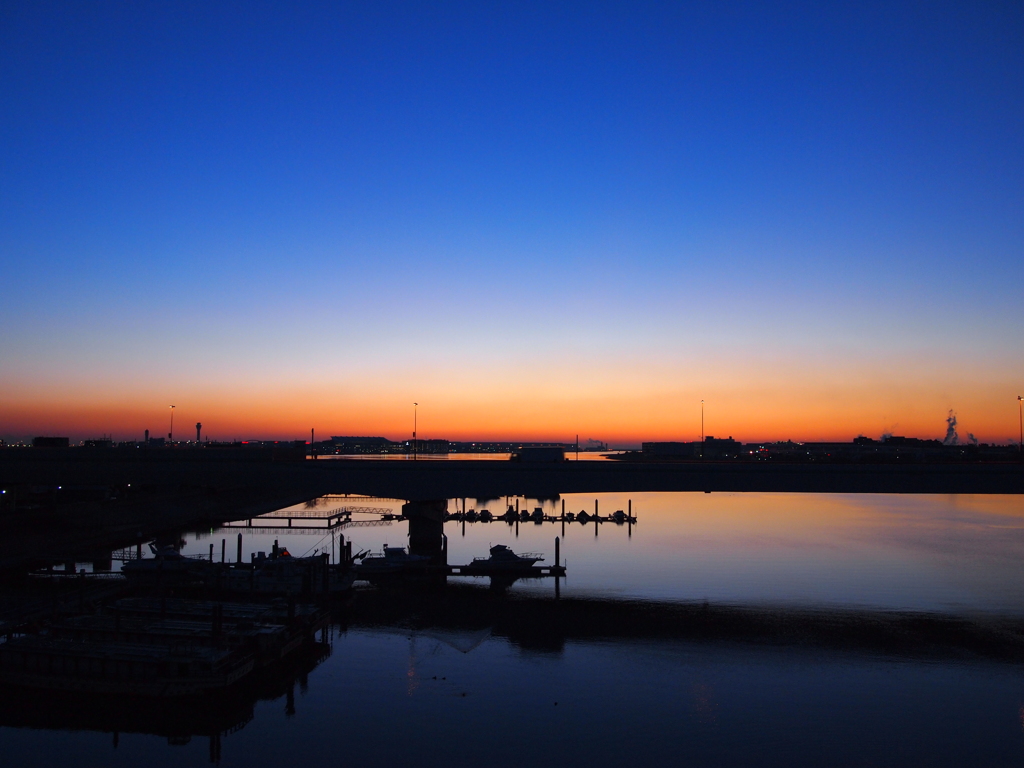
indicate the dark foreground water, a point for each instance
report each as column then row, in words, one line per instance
column 726, row 630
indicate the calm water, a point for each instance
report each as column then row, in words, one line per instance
column 409, row 692
column 956, row 554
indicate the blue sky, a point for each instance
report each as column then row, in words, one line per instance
column 354, row 191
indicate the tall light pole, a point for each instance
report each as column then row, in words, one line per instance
column 415, row 442
column 702, row 429
column 170, row 435
column 1020, row 421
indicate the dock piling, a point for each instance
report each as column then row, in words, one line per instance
column 223, row 549
column 239, row 558
column 557, row 542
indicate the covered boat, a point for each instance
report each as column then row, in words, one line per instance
column 504, row 559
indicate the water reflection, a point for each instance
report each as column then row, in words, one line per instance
column 729, row 628
column 213, row 716
column 955, row 554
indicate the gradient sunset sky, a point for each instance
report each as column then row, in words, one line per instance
column 534, row 219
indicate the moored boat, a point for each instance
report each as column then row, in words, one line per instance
column 504, row 559
column 283, row 574
column 391, row 562
column 167, row 564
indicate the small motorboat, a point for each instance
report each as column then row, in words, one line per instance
column 486, row 516
column 391, row 562
column 504, row 559
column 167, row 563
column 283, row 574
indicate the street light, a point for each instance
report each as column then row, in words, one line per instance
column 1020, row 420
column 702, row 429
column 415, row 443
column 170, row 435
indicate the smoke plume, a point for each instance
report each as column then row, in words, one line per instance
column 952, row 438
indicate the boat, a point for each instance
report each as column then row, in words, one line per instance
column 486, row 516
column 538, row 515
column 504, row 559
column 283, row 574
column 167, row 563
column 391, row 562
column 279, row 574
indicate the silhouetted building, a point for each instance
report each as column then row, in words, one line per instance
column 670, row 449
column 711, row 448
column 897, row 440
column 721, row 447
column 428, row 447
column 539, row 453
column 51, row 442
column 356, row 445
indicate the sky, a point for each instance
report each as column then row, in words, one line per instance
column 536, row 220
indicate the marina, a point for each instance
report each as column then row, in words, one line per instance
column 711, row 594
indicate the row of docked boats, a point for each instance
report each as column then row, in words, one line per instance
column 280, row 573
column 274, row 574
column 164, row 647
column 513, row 515
column 397, row 562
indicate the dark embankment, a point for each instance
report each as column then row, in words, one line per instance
column 547, row 624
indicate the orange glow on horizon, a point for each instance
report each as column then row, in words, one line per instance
column 745, row 413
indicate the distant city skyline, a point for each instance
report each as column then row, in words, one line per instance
column 963, row 433
column 533, row 219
